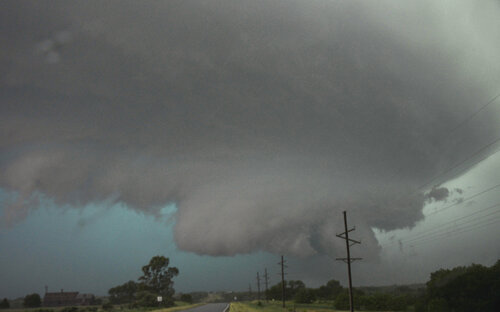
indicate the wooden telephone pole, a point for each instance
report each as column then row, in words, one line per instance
column 348, row 243
column 258, row 287
column 283, row 266
column 266, row 280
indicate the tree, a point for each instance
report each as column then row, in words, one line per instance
column 32, row 301
column 342, row 301
column 147, row 299
column 438, row 305
column 473, row 288
column 291, row 289
column 330, row 291
column 294, row 287
column 4, row 304
column 186, row 298
column 305, row 295
column 123, row 293
column 107, row 306
column 157, row 278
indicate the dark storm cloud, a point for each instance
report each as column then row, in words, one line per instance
column 261, row 120
column 438, row 194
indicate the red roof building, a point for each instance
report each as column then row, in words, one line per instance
column 60, row 299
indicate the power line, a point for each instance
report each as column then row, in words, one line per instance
column 439, row 231
column 477, row 152
column 464, row 200
column 457, row 173
column 470, row 117
column 469, row 228
column 456, row 204
column 456, row 166
column 440, row 228
column 464, row 121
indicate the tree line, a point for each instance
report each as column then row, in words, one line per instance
column 473, row 288
column 334, row 293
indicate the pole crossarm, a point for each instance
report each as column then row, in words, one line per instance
column 353, row 241
column 350, row 260
column 343, row 233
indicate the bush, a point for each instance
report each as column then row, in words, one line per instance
column 438, row 305
column 69, row 309
column 4, row 304
column 305, row 295
column 342, row 301
column 420, row 305
column 186, row 298
column 32, row 301
column 107, row 306
column 146, row 299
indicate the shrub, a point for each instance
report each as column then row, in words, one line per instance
column 107, row 306
column 4, row 304
column 438, row 305
column 32, row 301
column 146, row 299
column 187, row 298
column 305, row 295
column 342, row 301
column 69, row 309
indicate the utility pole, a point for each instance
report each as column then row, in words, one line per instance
column 258, row 287
column 266, row 279
column 348, row 243
column 283, row 266
column 250, row 291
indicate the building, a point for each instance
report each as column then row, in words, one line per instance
column 62, row 299
column 86, row 299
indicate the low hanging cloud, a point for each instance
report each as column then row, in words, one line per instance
column 260, row 120
column 438, row 194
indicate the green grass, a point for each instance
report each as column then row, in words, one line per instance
column 179, row 306
column 276, row 307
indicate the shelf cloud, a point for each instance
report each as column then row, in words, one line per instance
column 261, row 121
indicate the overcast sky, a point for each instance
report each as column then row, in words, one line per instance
column 225, row 133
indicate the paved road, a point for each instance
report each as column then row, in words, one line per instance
column 211, row 307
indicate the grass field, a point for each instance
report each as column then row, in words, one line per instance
column 179, row 306
column 276, row 307
column 290, row 307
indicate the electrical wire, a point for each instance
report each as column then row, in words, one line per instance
column 464, row 200
column 452, row 226
column 470, row 117
column 482, row 225
column 436, row 230
column 477, row 152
